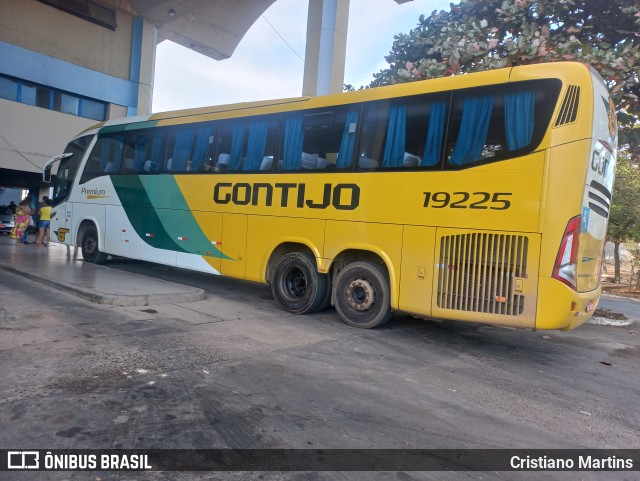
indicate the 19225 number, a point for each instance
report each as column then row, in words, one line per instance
column 466, row 200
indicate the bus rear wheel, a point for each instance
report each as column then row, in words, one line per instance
column 296, row 284
column 362, row 295
column 90, row 251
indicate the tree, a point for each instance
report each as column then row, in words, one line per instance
column 478, row 35
column 624, row 216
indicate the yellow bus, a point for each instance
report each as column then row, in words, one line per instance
column 481, row 197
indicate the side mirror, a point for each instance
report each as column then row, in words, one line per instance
column 46, row 174
column 46, row 170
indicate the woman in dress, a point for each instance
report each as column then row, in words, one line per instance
column 23, row 214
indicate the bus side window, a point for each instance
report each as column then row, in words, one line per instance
column 179, row 149
column 106, row 156
column 329, row 138
column 373, row 135
column 408, row 133
column 320, row 140
column 491, row 126
column 231, row 147
column 426, row 125
column 292, row 142
column 135, row 147
column 200, row 159
column 149, row 151
column 262, row 140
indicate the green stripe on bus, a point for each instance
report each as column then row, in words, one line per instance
column 147, row 221
column 163, row 190
column 160, row 215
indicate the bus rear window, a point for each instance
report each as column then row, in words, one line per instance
column 500, row 122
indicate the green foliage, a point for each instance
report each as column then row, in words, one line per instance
column 477, row 35
column 624, row 216
column 629, row 140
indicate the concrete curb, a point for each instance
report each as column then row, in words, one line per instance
column 614, row 296
column 605, row 321
column 182, row 294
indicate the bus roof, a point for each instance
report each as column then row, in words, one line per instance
column 199, row 114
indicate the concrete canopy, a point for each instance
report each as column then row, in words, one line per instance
column 211, row 27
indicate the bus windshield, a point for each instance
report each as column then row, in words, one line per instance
column 68, row 168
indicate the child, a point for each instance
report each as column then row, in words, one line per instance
column 43, row 224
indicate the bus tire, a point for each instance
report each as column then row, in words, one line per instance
column 90, row 251
column 326, row 301
column 296, row 284
column 362, row 295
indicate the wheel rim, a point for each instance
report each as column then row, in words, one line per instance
column 295, row 283
column 360, row 295
column 90, row 245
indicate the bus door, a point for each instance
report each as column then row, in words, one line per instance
column 234, row 240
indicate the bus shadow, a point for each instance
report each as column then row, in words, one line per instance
column 455, row 337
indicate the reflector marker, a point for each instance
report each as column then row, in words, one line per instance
column 216, row 243
column 182, row 238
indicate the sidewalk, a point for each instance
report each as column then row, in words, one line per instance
column 62, row 267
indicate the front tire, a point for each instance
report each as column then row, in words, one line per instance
column 362, row 295
column 90, row 251
column 297, row 286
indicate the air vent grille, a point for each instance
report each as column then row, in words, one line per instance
column 569, row 110
column 483, row 272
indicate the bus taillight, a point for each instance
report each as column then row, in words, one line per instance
column 566, row 262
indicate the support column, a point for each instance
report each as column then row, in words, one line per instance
column 326, row 47
column 144, row 38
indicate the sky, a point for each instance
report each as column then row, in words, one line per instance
column 264, row 67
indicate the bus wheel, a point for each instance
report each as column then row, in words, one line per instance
column 90, row 251
column 362, row 295
column 296, row 285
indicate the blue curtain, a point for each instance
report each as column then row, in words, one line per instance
column 519, row 118
column 200, row 149
column 345, row 154
column 435, row 133
column 476, row 113
column 140, row 152
column 396, row 131
column 256, row 145
column 182, row 150
column 156, row 151
column 293, row 138
column 237, row 144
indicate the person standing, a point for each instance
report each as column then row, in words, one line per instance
column 36, row 212
column 44, row 224
column 23, row 214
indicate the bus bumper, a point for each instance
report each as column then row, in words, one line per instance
column 560, row 307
